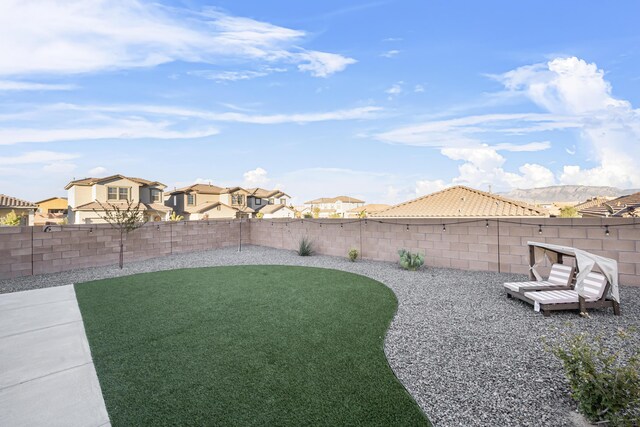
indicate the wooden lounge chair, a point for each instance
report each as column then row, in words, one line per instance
column 560, row 278
column 596, row 288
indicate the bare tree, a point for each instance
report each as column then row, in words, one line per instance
column 124, row 219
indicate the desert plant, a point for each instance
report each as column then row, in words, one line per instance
column 175, row 217
column 307, row 215
column 12, row 219
column 260, row 215
column 124, row 219
column 410, row 261
column 315, row 212
column 568, row 212
column 335, row 215
column 353, row 255
column 362, row 214
column 305, row 247
column 606, row 387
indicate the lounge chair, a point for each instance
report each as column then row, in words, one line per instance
column 596, row 287
column 560, row 278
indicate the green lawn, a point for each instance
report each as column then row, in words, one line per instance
column 246, row 345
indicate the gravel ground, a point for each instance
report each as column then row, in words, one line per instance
column 467, row 354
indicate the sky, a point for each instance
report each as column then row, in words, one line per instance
column 380, row 100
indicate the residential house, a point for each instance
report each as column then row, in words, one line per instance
column 51, row 211
column 333, row 206
column 90, row 198
column 366, row 210
column 625, row 206
column 278, row 211
column 206, row 201
column 25, row 210
column 462, row 202
column 271, row 203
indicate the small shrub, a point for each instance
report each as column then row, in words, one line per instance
column 11, row 219
column 175, row 217
column 353, row 255
column 260, row 215
column 305, row 247
column 606, row 387
column 307, row 215
column 335, row 215
column 410, row 261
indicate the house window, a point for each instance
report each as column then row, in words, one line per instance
column 112, row 193
column 237, row 199
column 156, row 195
column 283, row 201
column 123, row 193
column 118, row 193
column 270, row 201
column 191, row 199
column 258, row 201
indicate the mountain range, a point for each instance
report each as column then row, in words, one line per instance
column 565, row 193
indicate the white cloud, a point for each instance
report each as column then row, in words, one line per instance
column 256, row 178
column 98, row 171
column 390, row 53
column 418, row 88
column 231, row 76
column 609, row 126
column 429, row 186
column 393, row 39
column 59, row 168
column 574, row 95
column 394, row 90
column 95, row 35
column 323, row 64
column 37, row 157
column 60, row 122
column 10, row 85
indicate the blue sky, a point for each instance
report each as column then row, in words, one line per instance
column 384, row 100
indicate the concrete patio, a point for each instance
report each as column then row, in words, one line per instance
column 47, row 377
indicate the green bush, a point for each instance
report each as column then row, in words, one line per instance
column 12, row 219
column 307, row 215
column 335, row 215
column 606, row 387
column 305, row 247
column 410, row 261
column 353, row 255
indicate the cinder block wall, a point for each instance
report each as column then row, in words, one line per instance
column 29, row 250
column 465, row 244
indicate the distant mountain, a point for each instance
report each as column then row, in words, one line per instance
column 565, row 193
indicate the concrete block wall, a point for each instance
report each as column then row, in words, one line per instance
column 26, row 251
column 465, row 244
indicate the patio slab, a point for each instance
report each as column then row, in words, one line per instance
column 47, row 375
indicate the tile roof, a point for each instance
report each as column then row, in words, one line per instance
column 624, row 206
column 462, row 202
column 269, row 209
column 93, row 181
column 594, row 201
column 143, row 206
column 264, row 193
column 370, row 208
column 344, row 199
column 203, row 207
column 14, row 202
column 201, row 189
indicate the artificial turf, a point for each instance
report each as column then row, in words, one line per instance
column 245, row 346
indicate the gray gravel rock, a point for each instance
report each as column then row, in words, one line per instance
column 467, row 354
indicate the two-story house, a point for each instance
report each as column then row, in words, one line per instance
column 333, row 206
column 271, row 203
column 90, row 198
column 206, row 201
